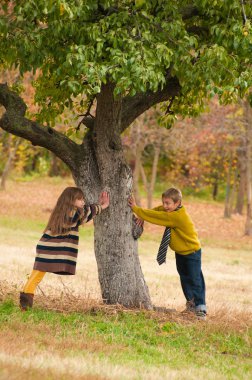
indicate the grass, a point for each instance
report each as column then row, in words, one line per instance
column 71, row 334
column 136, row 340
column 29, row 231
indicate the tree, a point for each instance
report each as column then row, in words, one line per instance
column 118, row 58
column 11, row 155
column 248, row 126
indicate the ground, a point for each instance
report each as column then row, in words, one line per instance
column 227, row 264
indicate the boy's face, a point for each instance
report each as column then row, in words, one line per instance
column 169, row 205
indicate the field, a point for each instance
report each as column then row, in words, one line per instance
column 71, row 333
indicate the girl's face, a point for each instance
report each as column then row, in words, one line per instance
column 79, row 203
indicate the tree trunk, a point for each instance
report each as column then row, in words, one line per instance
column 242, row 180
column 54, row 167
column 248, row 122
column 120, row 275
column 228, row 206
column 154, row 173
column 7, row 168
column 149, row 186
column 215, row 189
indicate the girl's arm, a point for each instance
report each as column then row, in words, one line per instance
column 95, row 209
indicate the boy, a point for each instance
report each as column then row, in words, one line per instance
column 181, row 236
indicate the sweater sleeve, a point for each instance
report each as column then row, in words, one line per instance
column 158, row 208
column 161, row 218
column 90, row 212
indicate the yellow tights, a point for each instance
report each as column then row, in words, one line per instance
column 33, row 281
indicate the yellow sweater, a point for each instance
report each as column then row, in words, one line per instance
column 184, row 238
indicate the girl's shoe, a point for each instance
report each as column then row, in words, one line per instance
column 25, row 301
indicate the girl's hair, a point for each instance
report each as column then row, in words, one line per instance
column 174, row 194
column 60, row 219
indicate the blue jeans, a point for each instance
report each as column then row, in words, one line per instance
column 191, row 278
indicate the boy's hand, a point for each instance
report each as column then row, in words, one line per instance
column 104, row 199
column 139, row 222
column 131, row 201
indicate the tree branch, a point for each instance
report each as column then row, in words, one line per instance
column 14, row 122
column 243, row 13
column 133, row 107
column 189, row 11
column 88, row 118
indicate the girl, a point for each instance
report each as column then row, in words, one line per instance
column 57, row 249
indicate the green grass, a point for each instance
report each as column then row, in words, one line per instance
column 143, row 339
column 36, row 176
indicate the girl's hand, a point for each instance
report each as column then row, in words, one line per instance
column 104, row 199
column 131, row 201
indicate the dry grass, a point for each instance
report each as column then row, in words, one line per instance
column 35, row 200
column 20, row 367
column 227, row 272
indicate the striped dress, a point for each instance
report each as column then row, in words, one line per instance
column 58, row 253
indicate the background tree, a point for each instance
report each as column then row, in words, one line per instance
column 248, row 126
column 121, row 58
column 146, row 141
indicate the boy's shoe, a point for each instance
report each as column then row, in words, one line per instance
column 26, row 301
column 201, row 315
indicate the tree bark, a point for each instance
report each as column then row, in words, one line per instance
column 120, row 275
column 134, row 106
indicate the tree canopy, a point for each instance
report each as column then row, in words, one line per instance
column 199, row 48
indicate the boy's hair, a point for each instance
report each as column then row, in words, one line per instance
column 174, row 194
column 61, row 218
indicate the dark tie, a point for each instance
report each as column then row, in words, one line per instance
column 161, row 256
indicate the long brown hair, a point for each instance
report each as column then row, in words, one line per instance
column 59, row 221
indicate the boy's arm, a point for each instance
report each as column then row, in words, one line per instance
column 158, row 208
column 161, row 218
column 137, row 227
